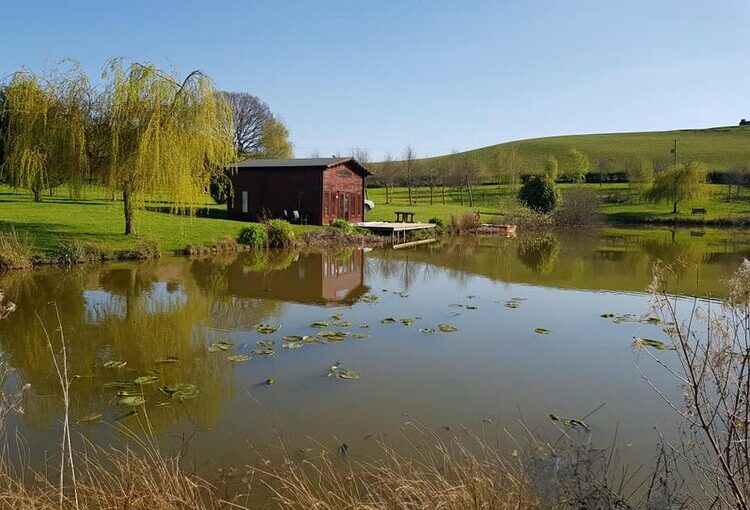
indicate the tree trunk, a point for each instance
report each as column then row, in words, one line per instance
column 471, row 197
column 443, row 194
column 674, row 208
column 387, row 196
column 408, row 186
column 127, row 204
column 431, row 189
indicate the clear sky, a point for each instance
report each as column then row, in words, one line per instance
column 439, row 75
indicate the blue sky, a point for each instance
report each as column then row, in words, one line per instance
column 439, row 75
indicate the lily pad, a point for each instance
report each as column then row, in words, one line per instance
column 270, row 351
column 294, row 345
column 407, row 322
column 447, row 328
column 115, row 364
column 388, row 320
column 118, row 385
column 342, row 324
column 238, row 358
column 360, row 336
column 541, row 331
column 472, row 307
column 146, row 379
column 166, row 360
column 311, row 340
column 607, row 316
column 337, row 316
column 293, row 338
column 220, row 346
column 266, row 329
column 265, row 343
column 347, row 374
column 512, row 304
column 320, row 324
column 651, row 320
column 333, row 336
column 270, row 381
column 333, row 368
column 134, row 401
column 427, row 331
column 649, row 342
column 369, row 298
column 88, row 418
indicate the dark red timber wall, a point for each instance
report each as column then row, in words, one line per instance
column 343, row 194
column 320, row 193
column 271, row 191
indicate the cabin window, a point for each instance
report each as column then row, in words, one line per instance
column 245, row 202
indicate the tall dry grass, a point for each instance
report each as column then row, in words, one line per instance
column 15, row 250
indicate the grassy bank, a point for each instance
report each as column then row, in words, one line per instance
column 95, row 219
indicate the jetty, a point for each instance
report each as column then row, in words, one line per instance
column 399, row 232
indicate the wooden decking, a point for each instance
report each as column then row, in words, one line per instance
column 398, row 231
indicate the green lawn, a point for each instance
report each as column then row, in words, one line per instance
column 94, row 218
column 620, row 204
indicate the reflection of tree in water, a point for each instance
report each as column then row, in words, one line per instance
column 131, row 313
column 539, row 253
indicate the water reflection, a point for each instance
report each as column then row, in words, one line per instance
column 141, row 312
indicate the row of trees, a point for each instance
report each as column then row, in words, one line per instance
column 143, row 132
column 458, row 171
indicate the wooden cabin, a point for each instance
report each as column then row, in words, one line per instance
column 312, row 190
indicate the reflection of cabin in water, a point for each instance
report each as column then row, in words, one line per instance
column 315, row 278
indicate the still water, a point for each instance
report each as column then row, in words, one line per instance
column 493, row 371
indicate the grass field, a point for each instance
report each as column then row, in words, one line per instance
column 95, row 218
column 720, row 148
column 493, row 200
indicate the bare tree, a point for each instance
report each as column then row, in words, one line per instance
column 360, row 154
column 250, row 116
column 432, row 173
column 509, row 166
column 464, row 174
column 388, row 173
column 408, row 164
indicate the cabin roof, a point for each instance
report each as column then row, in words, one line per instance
column 311, row 163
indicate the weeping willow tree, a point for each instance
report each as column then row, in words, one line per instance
column 44, row 140
column 167, row 137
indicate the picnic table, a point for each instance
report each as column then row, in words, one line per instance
column 404, row 216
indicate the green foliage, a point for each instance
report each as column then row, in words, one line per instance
column 551, row 168
column 436, row 221
column 280, row 233
column 253, row 235
column 44, row 137
column 342, row 225
column 145, row 249
column 220, row 188
column 540, row 194
column 683, row 183
column 77, row 252
column 574, row 165
column 167, row 136
column 275, row 140
column 539, row 252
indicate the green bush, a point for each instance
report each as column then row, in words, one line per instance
column 145, row 249
column 253, row 235
column 540, row 194
column 219, row 188
column 437, row 221
column 78, row 252
column 279, row 233
column 342, row 225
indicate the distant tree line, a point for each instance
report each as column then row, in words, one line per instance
column 142, row 133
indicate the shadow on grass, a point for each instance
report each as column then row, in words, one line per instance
column 48, row 237
column 220, row 214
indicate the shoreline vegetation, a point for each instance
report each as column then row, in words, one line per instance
column 467, row 470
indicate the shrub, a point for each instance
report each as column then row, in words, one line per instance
column 279, row 233
column 437, row 221
column 15, row 251
column 78, row 252
column 253, row 235
column 580, row 207
column 467, row 222
column 146, row 249
column 342, row 225
column 540, row 194
column 219, row 188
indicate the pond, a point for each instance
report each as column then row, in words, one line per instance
column 483, row 333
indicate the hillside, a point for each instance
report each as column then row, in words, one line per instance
column 720, row 147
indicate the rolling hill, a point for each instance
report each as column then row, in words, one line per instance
column 721, row 148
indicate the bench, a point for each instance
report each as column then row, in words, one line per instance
column 699, row 210
column 404, row 216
